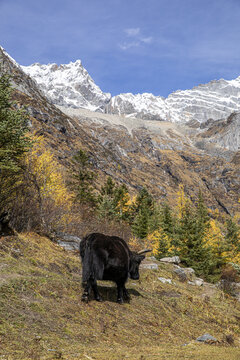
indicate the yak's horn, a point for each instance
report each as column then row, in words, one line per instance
column 144, row 251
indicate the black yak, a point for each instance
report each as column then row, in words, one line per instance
column 108, row 258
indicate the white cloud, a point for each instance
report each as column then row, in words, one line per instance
column 132, row 31
column 126, row 46
column 139, row 39
column 147, row 40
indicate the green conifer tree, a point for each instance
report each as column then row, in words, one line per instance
column 83, row 179
column 190, row 239
column 232, row 236
column 141, row 213
column 202, row 217
column 167, row 220
column 141, row 223
column 14, row 144
column 13, row 128
column 108, row 187
column 106, row 209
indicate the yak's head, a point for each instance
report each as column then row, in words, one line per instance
column 135, row 260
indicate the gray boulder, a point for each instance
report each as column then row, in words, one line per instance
column 68, row 245
column 206, row 338
column 197, row 282
column 68, row 237
column 185, row 274
column 151, row 266
column 190, row 271
column 182, row 275
column 172, row 260
column 67, row 241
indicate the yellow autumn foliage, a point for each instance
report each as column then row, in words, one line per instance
column 214, row 237
column 124, row 204
column 134, row 243
column 181, row 201
column 152, row 241
column 48, row 174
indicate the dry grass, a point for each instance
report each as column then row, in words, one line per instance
column 42, row 317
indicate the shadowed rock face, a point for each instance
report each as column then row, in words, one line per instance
column 224, row 133
column 157, row 154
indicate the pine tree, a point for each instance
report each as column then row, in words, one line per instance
column 13, row 128
column 142, row 211
column 112, row 201
column 120, row 200
column 14, row 144
column 191, row 241
column 106, row 209
column 167, row 220
column 144, row 199
column 108, row 187
column 155, row 218
column 215, row 240
column 140, row 223
column 83, row 179
column 232, row 238
column 203, row 219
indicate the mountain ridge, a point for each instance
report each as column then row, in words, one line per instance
column 70, row 85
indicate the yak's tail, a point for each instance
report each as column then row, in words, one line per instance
column 92, row 266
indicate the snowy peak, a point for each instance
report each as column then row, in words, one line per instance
column 144, row 106
column 68, row 85
column 9, row 57
column 215, row 100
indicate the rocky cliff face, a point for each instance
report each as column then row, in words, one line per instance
column 223, row 134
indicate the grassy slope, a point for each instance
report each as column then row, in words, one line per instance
column 42, row 317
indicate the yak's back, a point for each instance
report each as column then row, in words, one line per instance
column 99, row 251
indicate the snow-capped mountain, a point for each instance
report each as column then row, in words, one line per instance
column 68, row 85
column 215, row 100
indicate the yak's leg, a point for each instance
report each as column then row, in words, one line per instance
column 95, row 290
column 91, row 284
column 87, row 289
column 126, row 294
column 120, row 286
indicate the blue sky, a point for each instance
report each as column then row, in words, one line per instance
column 137, row 46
